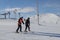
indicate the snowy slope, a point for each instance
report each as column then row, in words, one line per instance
column 46, row 18
column 7, row 22
column 46, row 31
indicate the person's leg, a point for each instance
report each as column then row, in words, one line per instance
column 20, row 28
column 17, row 29
column 26, row 28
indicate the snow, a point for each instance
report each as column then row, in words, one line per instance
column 46, row 18
column 49, row 29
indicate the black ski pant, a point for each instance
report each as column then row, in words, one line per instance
column 19, row 27
column 27, row 26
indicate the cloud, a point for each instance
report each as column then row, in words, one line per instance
column 27, row 9
column 23, row 10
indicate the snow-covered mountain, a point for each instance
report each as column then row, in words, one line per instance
column 46, row 18
column 43, row 19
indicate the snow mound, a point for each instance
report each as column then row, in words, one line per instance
column 46, row 18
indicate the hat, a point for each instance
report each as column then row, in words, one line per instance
column 28, row 18
column 21, row 17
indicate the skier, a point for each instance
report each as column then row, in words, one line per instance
column 20, row 21
column 27, row 24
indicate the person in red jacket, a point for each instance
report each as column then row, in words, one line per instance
column 20, row 21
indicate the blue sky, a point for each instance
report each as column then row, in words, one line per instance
column 45, row 6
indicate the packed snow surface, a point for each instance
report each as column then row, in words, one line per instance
column 49, row 29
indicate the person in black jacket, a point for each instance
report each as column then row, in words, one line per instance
column 27, row 24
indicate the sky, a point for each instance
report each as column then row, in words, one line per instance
column 28, row 7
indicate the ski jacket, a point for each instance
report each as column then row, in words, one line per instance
column 27, row 22
column 20, row 21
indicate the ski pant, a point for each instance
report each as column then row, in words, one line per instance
column 27, row 26
column 19, row 27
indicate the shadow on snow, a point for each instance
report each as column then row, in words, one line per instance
column 44, row 34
